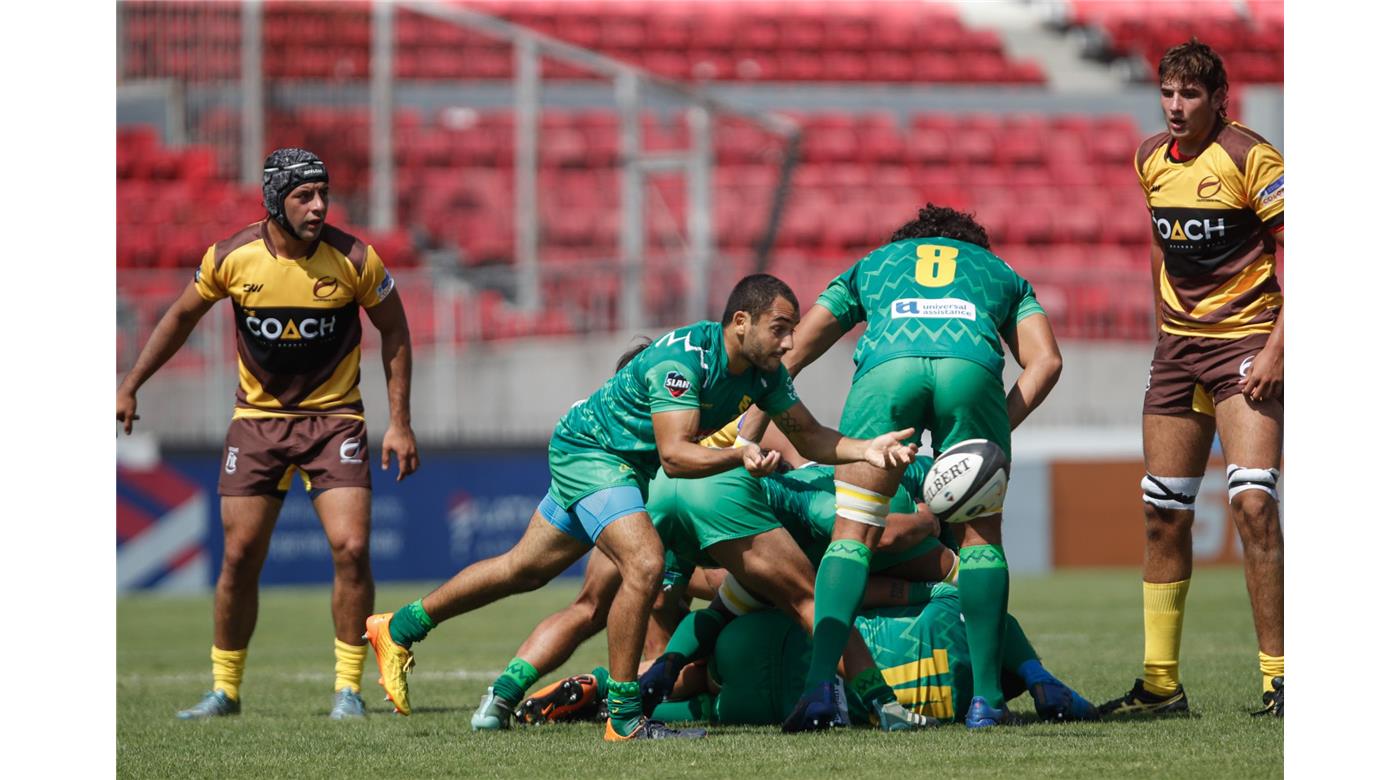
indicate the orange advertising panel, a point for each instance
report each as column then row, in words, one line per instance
column 1097, row 517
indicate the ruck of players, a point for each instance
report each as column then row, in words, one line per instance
column 747, row 562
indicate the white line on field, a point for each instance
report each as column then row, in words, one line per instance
column 302, row 676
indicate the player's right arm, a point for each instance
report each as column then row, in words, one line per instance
column 682, row 457
column 1033, row 345
column 167, row 338
column 1156, row 262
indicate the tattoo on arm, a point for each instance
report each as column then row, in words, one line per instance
column 788, row 423
column 897, row 590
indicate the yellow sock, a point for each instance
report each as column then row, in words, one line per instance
column 349, row 665
column 1270, row 666
column 228, row 670
column 1163, row 611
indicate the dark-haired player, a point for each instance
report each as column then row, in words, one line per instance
column 1214, row 193
column 938, row 305
column 648, row 416
column 296, row 285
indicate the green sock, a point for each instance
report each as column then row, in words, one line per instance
column 870, row 688
column 1016, row 647
column 515, row 680
column 624, row 706
column 695, row 636
column 984, row 584
column 700, row 707
column 840, row 585
column 601, row 675
column 410, row 624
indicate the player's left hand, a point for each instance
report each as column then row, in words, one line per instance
column 886, row 451
column 1264, row 380
column 399, row 440
column 759, row 462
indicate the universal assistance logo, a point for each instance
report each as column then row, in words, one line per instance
column 934, row 308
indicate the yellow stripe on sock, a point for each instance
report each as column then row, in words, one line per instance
column 228, row 670
column 1163, row 612
column 349, row 665
column 1270, row 666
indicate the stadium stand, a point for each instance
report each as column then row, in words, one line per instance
column 801, row 40
column 1248, row 35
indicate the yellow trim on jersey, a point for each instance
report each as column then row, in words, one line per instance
column 931, row 700
column 1253, row 275
column 917, row 669
column 249, row 413
column 1235, row 326
column 725, row 437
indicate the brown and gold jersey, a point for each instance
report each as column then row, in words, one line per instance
column 1214, row 217
column 297, row 320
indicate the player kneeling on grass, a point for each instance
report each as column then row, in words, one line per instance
column 603, row 454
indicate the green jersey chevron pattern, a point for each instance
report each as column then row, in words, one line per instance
column 930, row 297
column 684, row 369
column 922, row 653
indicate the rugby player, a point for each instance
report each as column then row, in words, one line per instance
column 603, row 454
column 1214, row 192
column 938, row 305
column 296, row 285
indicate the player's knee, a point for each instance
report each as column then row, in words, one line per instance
column 1161, row 495
column 351, row 552
column 643, row 568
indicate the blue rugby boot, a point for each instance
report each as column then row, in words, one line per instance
column 815, row 711
column 215, row 704
column 347, row 705
column 982, row 715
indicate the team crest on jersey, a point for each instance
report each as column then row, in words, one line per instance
column 325, row 287
column 1208, row 187
column 676, row 384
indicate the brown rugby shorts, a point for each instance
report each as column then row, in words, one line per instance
column 1181, row 363
column 262, row 453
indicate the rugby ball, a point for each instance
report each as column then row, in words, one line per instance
column 967, row 481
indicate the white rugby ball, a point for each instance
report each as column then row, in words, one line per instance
column 967, row 481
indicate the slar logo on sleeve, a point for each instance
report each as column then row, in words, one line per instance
column 676, row 384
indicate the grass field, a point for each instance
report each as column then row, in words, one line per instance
column 1086, row 625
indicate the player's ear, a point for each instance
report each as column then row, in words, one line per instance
column 741, row 322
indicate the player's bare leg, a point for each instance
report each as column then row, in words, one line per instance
column 559, row 635
column 551, row 643
column 1174, row 445
column 633, row 546
column 1176, row 448
column 248, row 522
column 1251, row 435
column 345, row 515
column 542, row 554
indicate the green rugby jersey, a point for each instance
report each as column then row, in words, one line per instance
column 687, row 368
column 922, row 654
column 930, row 297
column 804, row 500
